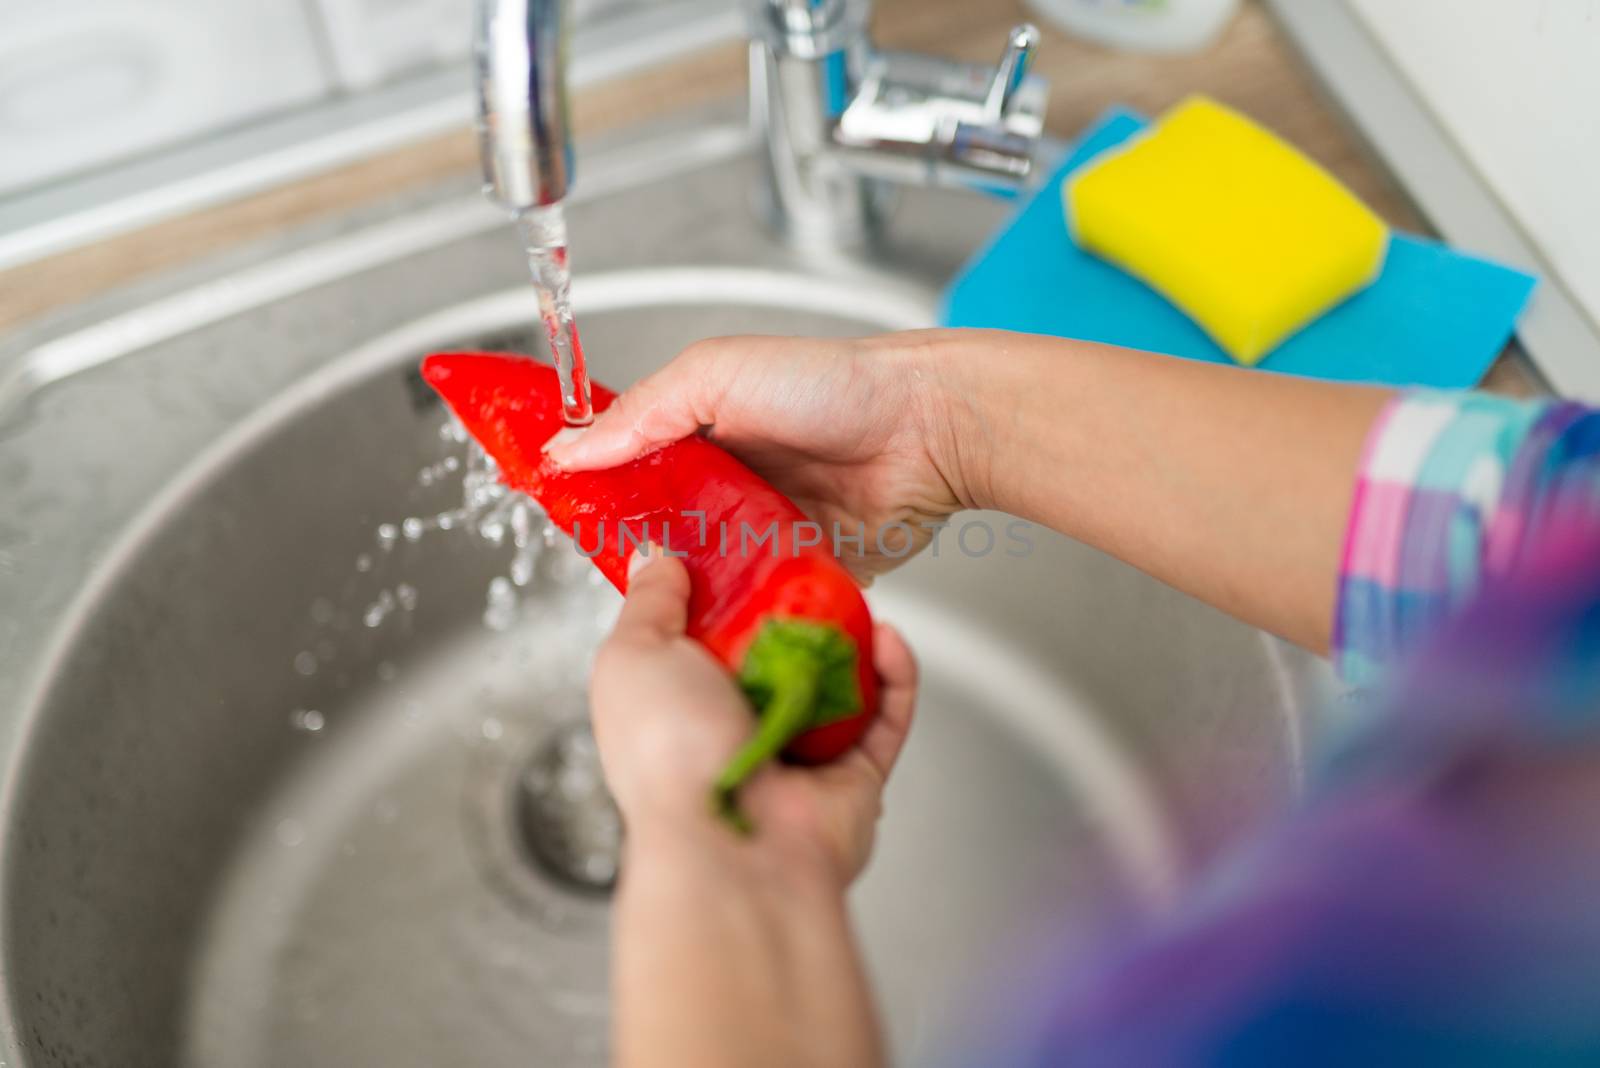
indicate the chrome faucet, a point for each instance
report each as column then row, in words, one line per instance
column 519, row 54
column 841, row 120
column 524, row 138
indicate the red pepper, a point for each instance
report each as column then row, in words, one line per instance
column 782, row 614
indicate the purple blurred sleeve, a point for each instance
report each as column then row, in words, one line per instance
column 1435, row 899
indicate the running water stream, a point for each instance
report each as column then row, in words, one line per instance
column 487, row 508
column 544, row 236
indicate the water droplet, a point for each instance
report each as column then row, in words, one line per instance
column 521, row 525
column 305, row 663
column 379, row 610
column 501, row 611
column 406, row 594
column 290, row 833
column 493, row 729
column 388, row 534
column 364, row 562
column 412, row 528
column 523, row 564
column 308, row 720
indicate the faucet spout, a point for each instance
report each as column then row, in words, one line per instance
column 519, row 53
column 524, row 137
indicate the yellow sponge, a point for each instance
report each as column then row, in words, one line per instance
column 1234, row 226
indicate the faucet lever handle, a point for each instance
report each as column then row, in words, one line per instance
column 1010, row 71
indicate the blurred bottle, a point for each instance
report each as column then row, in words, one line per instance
column 1141, row 25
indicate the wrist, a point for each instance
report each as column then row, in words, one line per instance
column 726, row 956
column 701, row 847
column 954, row 410
column 1010, row 413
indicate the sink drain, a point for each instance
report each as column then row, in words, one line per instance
column 539, row 824
column 564, row 813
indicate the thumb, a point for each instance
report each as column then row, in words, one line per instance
column 657, row 604
column 671, row 404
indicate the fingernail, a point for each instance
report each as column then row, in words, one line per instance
column 562, row 445
column 642, row 555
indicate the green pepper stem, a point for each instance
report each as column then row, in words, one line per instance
column 789, row 711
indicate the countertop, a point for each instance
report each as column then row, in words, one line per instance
column 1251, row 66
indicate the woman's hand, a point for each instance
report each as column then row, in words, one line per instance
column 1230, row 484
column 856, row 432
column 667, row 718
column 731, row 950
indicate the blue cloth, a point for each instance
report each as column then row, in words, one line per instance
column 1434, row 317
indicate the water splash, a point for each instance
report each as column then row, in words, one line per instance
column 379, row 610
column 438, row 472
column 486, row 510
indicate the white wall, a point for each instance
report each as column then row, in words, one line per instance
column 86, row 81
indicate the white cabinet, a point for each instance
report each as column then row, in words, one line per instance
column 85, row 82
column 1517, row 85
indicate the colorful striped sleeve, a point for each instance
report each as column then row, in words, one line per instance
column 1453, row 489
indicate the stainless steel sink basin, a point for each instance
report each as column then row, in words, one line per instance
column 262, row 765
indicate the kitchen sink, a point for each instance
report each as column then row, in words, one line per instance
column 268, row 746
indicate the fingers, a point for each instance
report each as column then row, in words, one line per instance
column 897, row 673
column 657, row 605
column 853, row 787
column 670, row 404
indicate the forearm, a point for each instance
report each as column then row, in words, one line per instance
column 727, row 955
column 1231, row 485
